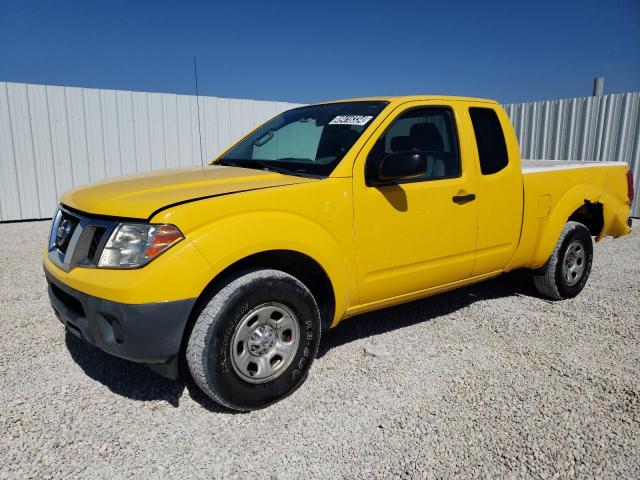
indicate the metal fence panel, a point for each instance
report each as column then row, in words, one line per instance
column 93, row 131
column 26, row 171
column 9, row 193
column 605, row 128
column 77, row 135
column 42, row 151
column 53, row 138
column 126, row 133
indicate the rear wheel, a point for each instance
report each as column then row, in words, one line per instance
column 255, row 340
column 567, row 270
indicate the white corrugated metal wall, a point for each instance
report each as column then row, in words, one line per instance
column 604, row 128
column 53, row 138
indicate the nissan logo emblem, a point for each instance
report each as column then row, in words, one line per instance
column 63, row 232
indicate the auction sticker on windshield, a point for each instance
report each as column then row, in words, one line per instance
column 351, row 120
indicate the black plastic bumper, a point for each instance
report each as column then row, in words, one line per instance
column 147, row 333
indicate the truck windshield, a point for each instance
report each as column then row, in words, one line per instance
column 305, row 141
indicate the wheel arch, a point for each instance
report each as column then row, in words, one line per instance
column 591, row 215
column 299, row 265
column 579, row 204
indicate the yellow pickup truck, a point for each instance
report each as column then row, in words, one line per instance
column 324, row 212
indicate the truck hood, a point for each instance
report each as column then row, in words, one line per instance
column 140, row 196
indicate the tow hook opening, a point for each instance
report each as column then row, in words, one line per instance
column 116, row 327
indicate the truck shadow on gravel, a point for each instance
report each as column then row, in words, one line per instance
column 137, row 382
column 516, row 283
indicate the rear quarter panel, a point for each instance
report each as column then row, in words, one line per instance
column 552, row 195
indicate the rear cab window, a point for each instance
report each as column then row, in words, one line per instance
column 492, row 148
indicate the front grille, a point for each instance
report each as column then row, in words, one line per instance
column 95, row 243
column 77, row 240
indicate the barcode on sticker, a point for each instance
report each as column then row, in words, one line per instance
column 351, row 120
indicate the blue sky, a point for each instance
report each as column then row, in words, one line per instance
column 310, row 51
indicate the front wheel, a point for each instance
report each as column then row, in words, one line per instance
column 566, row 272
column 255, row 340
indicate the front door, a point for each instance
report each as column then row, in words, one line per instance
column 418, row 233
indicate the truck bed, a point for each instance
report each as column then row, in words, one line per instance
column 531, row 166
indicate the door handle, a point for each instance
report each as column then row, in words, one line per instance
column 462, row 199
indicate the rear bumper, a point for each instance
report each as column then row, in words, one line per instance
column 147, row 333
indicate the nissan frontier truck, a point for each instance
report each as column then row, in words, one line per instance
column 326, row 211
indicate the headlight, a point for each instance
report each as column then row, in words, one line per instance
column 133, row 245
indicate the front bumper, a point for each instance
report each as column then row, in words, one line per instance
column 148, row 333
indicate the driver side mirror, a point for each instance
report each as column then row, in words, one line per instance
column 398, row 166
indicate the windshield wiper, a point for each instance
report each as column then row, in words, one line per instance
column 258, row 165
column 273, row 168
column 227, row 163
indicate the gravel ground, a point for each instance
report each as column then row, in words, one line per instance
column 487, row 381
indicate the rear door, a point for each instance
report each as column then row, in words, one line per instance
column 500, row 189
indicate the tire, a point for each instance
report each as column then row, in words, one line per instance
column 242, row 331
column 574, row 252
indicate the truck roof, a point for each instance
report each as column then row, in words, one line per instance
column 409, row 98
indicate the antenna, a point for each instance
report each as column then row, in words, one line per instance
column 195, row 73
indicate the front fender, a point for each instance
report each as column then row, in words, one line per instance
column 227, row 240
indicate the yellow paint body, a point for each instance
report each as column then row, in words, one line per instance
column 379, row 246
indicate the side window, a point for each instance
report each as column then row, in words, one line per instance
column 430, row 130
column 492, row 148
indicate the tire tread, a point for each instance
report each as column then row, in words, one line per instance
column 197, row 346
column 546, row 283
